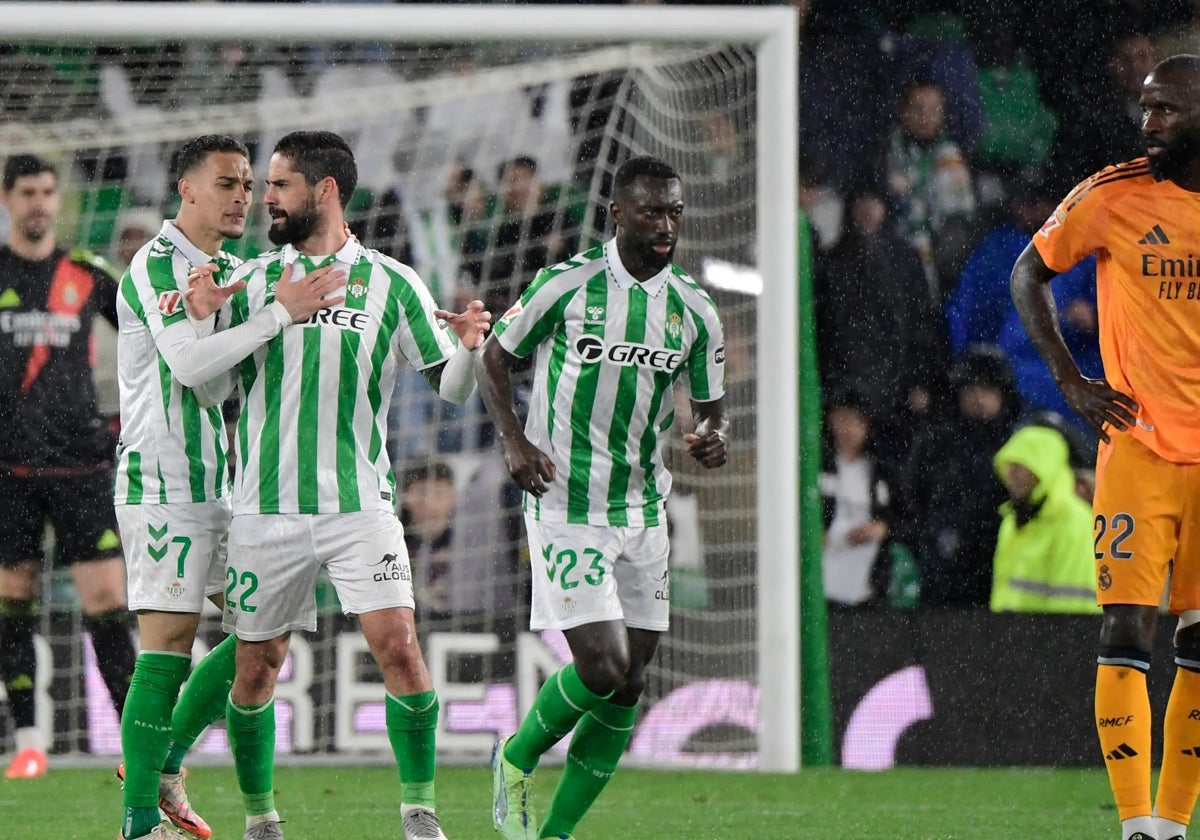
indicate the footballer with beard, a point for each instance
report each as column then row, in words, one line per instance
column 1142, row 220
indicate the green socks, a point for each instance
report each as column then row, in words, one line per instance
column 252, row 742
column 145, row 733
column 599, row 742
column 202, row 702
column 412, row 730
column 563, row 700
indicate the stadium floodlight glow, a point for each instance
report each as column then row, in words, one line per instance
column 98, row 84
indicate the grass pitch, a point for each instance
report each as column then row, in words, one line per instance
column 362, row 803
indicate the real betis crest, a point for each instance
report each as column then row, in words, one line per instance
column 357, row 290
column 674, row 325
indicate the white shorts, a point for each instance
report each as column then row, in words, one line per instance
column 274, row 559
column 174, row 554
column 583, row 574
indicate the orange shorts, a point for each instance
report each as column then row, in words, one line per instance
column 1145, row 525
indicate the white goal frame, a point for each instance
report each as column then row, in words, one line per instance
column 774, row 31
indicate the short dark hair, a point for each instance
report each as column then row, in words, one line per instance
column 19, row 166
column 642, row 166
column 321, row 154
column 194, row 152
column 520, row 160
column 431, row 469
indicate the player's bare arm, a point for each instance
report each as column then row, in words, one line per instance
column 530, row 467
column 707, row 443
column 1092, row 399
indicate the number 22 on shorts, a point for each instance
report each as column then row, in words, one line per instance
column 1116, row 531
column 249, row 584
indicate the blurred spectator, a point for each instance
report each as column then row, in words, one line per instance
column 463, row 548
column 432, row 241
column 930, row 183
column 1182, row 34
column 934, row 46
column 1044, row 559
column 1105, row 127
column 536, row 225
column 981, row 309
column 843, row 74
column 1020, row 127
column 877, row 328
column 821, row 203
column 951, row 491
column 135, row 227
column 722, row 187
column 859, row 492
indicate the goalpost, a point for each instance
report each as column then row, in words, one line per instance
column 108, row 90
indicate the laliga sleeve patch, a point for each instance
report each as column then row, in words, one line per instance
column 170, row 302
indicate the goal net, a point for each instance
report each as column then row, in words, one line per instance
column 483, row 154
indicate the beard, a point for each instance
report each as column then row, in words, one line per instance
column 1175, row 158
column 35, row 230
column 653, row 259
column 295, row 227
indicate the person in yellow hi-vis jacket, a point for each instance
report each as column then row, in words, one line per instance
column 1044, row 560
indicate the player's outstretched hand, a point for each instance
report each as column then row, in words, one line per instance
column 707, row 445
column 530, row 467
column 470, row 326
column 203, row 296
column 311, row 293
column 1099, row 405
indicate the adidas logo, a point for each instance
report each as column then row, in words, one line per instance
column 1121, row 753
column 1155, row 236
column 1194, row 751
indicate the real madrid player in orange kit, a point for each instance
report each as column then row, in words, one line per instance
column 1142, row 221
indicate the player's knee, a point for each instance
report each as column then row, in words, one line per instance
column 630, row 690
column 399, row 656
column 258, row 665
column 604, row 671
column 1128, row 627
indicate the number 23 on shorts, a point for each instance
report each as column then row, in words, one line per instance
column 570, row 567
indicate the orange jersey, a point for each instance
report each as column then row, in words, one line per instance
column 1145, row 234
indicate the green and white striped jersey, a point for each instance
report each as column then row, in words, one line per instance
column 172, row 450
column 311, row 435
column 609, row 350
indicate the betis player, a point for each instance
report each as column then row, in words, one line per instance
column 172, row 487
column 1142, row 220
column 613, row 329
column 314, row 482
